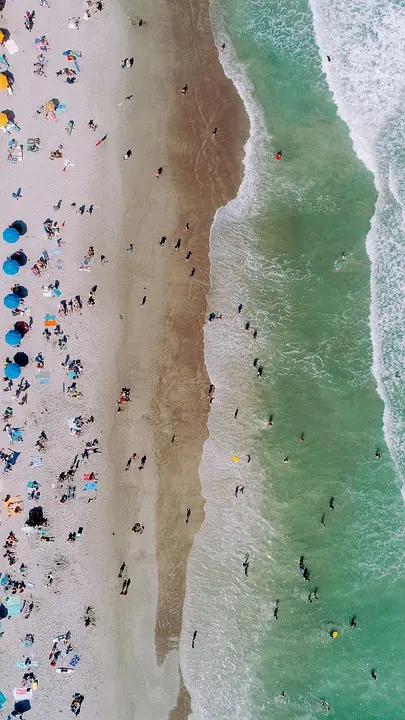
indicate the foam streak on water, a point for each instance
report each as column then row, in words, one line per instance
column 365, row 40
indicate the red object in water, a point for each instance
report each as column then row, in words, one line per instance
column 279, row 156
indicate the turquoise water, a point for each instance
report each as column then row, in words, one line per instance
column 312, row 310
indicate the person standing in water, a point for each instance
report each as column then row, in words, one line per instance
column 193, row 640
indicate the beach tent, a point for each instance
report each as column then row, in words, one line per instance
column 22, row 359
column 3, row 81
column 13, row 337
column 11, row 234
column 11, row 301
column 11, row 267
column 20, row 290
column 12, row 371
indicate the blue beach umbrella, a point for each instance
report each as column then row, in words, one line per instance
column 11, row 267
column 11, row 301
column 12, row 371
column 13, row 337
column 11, row 235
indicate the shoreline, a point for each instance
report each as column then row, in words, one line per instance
column 156, row 349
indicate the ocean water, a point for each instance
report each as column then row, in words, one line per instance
column 313, row 247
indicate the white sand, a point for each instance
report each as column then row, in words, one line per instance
column 117, row 672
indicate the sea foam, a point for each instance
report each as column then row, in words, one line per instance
column 366, row 75
column 224, row 606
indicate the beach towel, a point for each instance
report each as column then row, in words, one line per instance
column 75, row 659
column 13, row 605
column 43, row 378
column 57, row 292
column 36, row 461
column 14, row 457
column 3, row 700
column 90, row 485
column 22, row 664
column 11, row 46
column 15, row 434
column 22, row 694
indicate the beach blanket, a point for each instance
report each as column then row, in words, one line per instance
column 90, row 485
column 3, row 700
column 36, row 461
column 14, row 457
column 22, row 694
column 13, row 605
column 43, row 377
column 15, row 434
column 10, row 507
column 22, row 664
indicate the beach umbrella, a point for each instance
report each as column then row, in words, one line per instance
column 20, row 257
column 3, row 81
column 21, row 327
column 22, row 359
column 3, row 611
column 3, row 119
column 13, row 337
column 49, row 106
column 11, row 301
column 12, row 371
column 20, row 290
column 20, row 226
column 11, row 234
column 11, row 267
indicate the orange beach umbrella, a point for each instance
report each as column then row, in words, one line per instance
column 3, row 119
column 3, row 81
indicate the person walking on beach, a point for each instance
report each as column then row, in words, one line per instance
column 163, row 240
column 90, row 209
column 275, row 611
column 192, row 272
column 246, row 564
column 189, row 254
column 236, row 413
column 188, row 515
column 17, row 195
column 193, row 640
column 240, row 308
column 128, row 465
column 143, row 300
column 184, row 89
column 122, row 568
column 177, row 245
column 143, row 461
column 214, row 132
column 158, row 172
column 172, row 440
column 127, row 155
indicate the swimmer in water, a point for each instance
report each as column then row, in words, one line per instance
column 323, row 520
column 269, row 423
column 301, row 438
column 279, row 156
column 275, row 611
column 248, row 458
column 377, row 454
column 353, row 622
column 332, row 503
column 373, row 674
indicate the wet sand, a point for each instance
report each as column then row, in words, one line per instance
column 129, row 660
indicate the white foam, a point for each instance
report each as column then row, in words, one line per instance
column 224, row 606
column 366, row 75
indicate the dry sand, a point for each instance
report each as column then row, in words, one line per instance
column 129, row 660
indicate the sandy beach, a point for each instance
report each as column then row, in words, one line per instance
column 127, row 662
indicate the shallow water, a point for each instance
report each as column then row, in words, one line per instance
column 278, row 249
